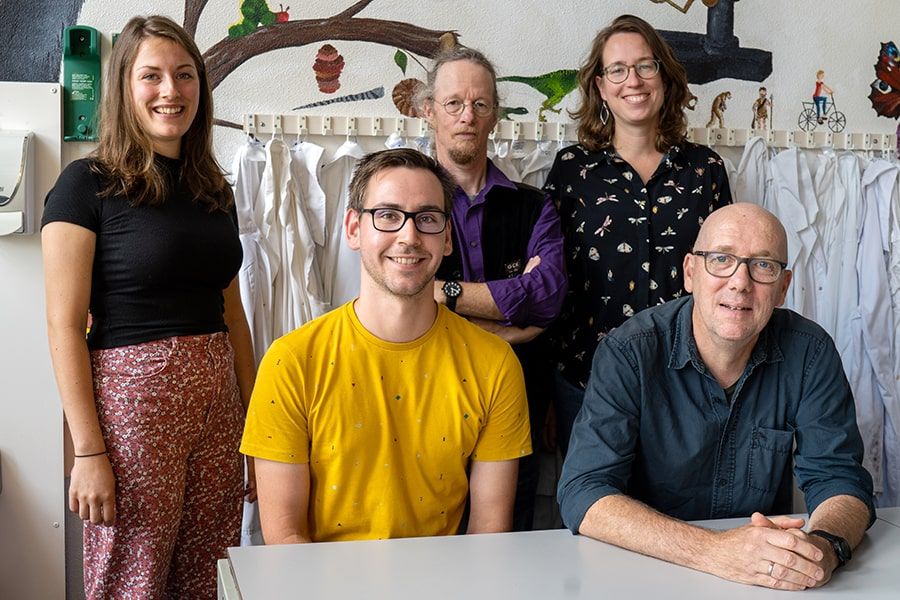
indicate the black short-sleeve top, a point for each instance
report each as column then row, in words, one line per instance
column 159, row 271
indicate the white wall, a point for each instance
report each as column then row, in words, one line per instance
column 31, row 444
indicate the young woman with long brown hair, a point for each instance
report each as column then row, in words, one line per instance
column 143, row 236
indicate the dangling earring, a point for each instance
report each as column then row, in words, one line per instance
column 604, row 113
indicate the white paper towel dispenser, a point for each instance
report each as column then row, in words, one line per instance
column 16, row 189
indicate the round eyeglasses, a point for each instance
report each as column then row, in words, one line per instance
column 390, row 220
column 455, row 107
column 723, row 264
column 618, row 72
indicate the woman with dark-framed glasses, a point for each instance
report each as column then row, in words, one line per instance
column 631, row 194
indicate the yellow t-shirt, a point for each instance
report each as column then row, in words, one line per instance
column 387, row 429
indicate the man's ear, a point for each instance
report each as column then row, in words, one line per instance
column 428, row 112
column 448, row 240
column 788, row 275
column 351, row 227
column 688, row 267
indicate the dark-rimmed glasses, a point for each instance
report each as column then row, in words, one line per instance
column 455, row 107
column 618, row 72
column 390, row 220
column 723, row 264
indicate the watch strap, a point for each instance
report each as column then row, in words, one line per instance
column 838, row 544
column 451, row 302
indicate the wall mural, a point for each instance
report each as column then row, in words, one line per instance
column 32, row 38
column 261, row 30
column 820, row 111
column 717, row 54
column 885, row 94
column 35, row 44
column 553, row 86
column 687, row 4
column 761, row 109
column 718, row 108
column 709, row 57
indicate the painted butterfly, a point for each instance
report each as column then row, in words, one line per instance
column 885, row 94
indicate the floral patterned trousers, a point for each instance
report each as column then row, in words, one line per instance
column 171, row 417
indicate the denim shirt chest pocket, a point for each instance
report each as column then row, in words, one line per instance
column 770, row 455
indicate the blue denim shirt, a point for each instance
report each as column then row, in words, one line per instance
column 657, row 426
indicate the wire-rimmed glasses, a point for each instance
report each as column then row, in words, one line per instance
column 455, row 107
column 618, row 72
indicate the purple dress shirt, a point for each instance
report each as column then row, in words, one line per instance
column 533, row 298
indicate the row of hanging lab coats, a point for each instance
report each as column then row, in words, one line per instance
column 290, row 206
column 841, row 212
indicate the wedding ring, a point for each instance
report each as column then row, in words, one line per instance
column 771, row 568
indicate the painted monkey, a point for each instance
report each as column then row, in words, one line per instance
column 718, row 108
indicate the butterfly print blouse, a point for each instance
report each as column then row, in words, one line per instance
column 625, row 240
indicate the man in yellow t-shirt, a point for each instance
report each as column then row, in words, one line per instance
column 381, row 418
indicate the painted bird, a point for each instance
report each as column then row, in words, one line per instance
column 555, row 86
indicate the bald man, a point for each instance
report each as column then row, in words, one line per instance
column 697, row 409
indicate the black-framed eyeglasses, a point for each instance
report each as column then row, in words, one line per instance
column 618, row 72
column 455, row 107
column 390, row 220
column 723, row 264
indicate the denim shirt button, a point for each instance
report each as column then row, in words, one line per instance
column 722, row 482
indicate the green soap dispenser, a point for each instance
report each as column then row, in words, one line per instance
column 81, row 83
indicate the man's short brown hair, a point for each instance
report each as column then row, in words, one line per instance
column 390, row 159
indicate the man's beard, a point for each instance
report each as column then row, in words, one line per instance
column 463, row 154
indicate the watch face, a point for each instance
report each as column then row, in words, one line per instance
column 452, row 289
column 843, row 548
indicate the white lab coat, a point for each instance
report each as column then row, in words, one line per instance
column 795, row 204
column 873, row 382
column 306, row 160
column 340, row 267
column 501, row 155
column 277, row 196
column 536, row 165
column 256, row 289
column 843, row 210
column 255, row 274
column 753, row 182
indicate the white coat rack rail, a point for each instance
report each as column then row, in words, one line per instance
column 299, row 125
column 292, row 124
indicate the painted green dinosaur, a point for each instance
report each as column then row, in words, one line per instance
column 507, row 111
column 555, row 86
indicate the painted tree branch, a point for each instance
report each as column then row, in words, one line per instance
column 228, row 54
column 192, row 11
column 353, row 10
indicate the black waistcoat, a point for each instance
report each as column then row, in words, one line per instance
column 509, row 218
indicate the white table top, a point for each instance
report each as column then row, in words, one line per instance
column 545, row 565
column 891, row 515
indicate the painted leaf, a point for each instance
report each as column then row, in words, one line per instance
column 401, row 59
